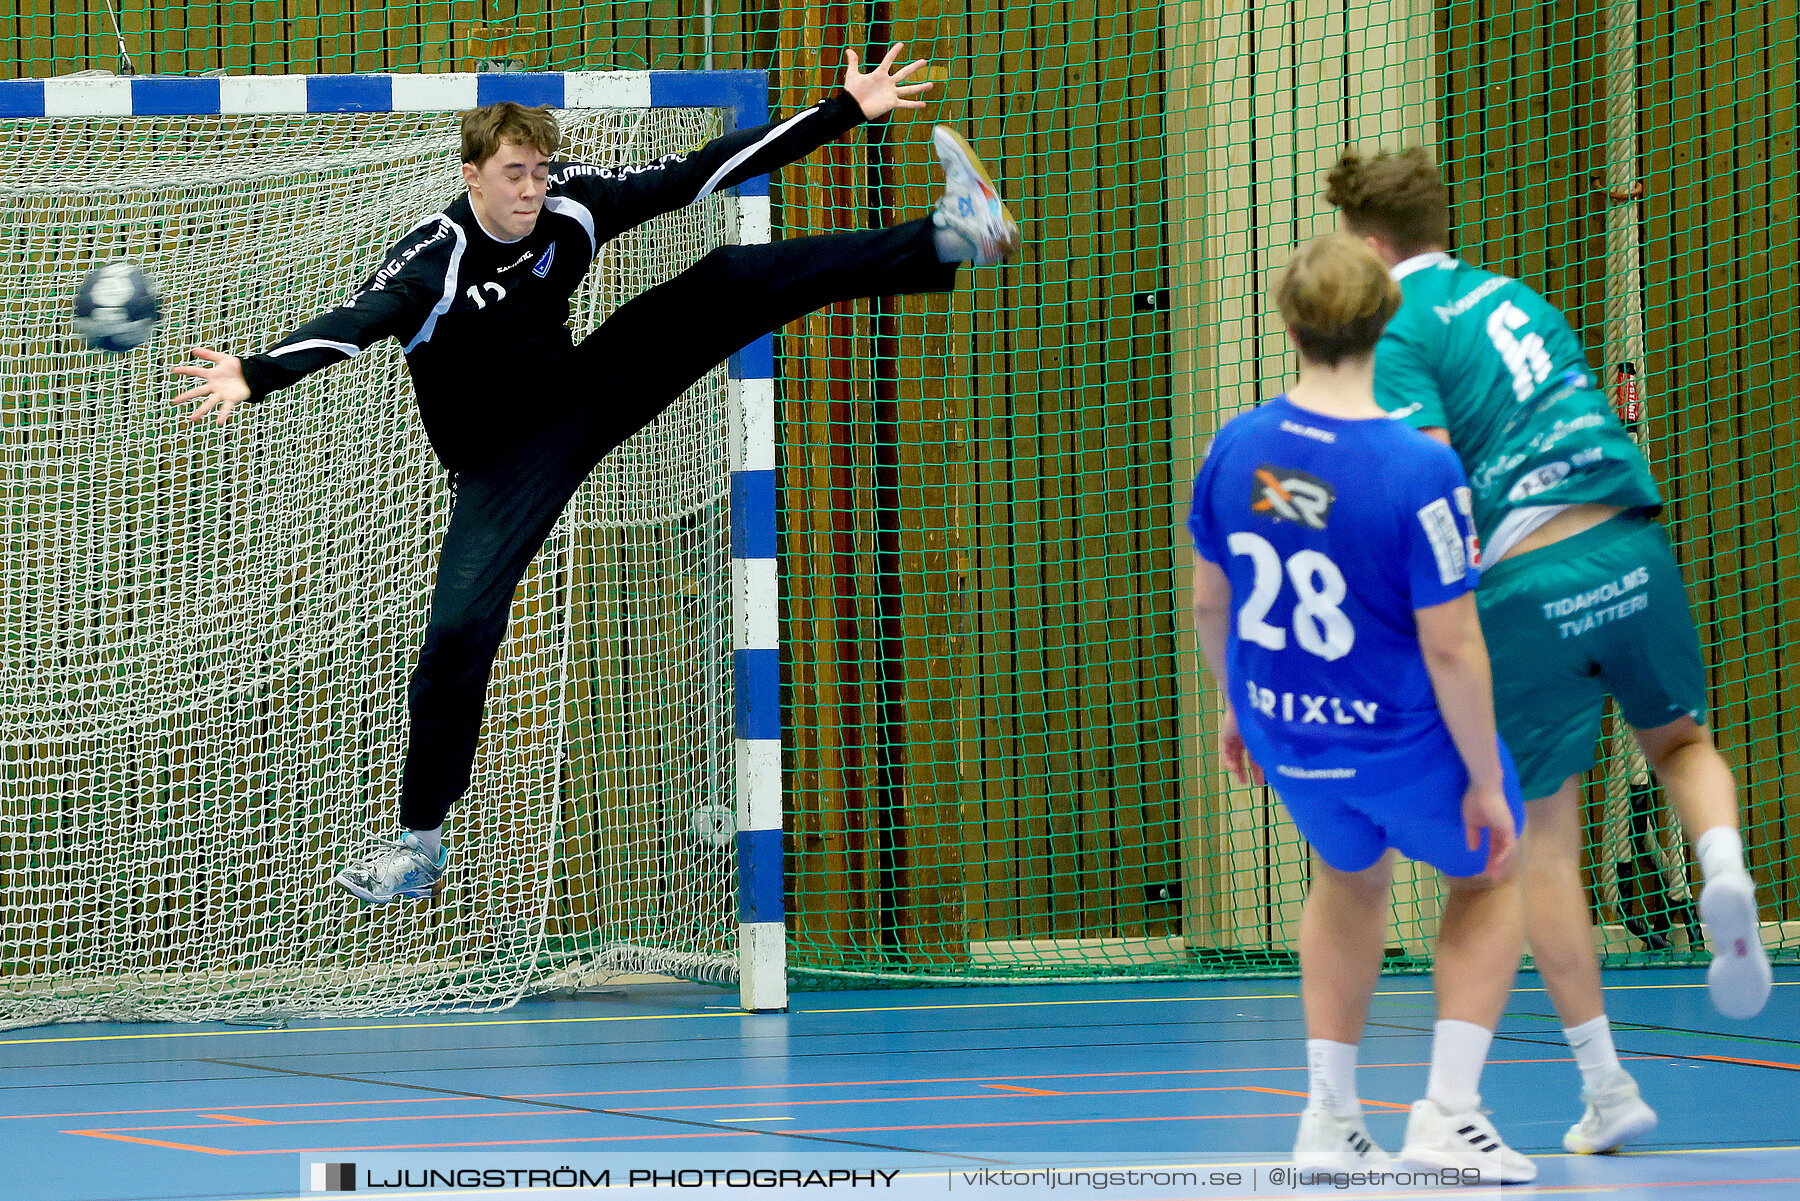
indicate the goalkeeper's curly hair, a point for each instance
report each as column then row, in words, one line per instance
column 1398, row 195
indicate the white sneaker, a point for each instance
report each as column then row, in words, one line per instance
column 1336, row 1144
column 1615, row 1115
column 400, row 870
column 1436, row 1138
column 970, row 207
column 1739, row 979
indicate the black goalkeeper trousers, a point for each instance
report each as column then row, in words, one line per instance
column 616, row 382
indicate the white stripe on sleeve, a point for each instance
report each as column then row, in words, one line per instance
column 579, row 212
column 443, row 305
column 349, row 348
column 735, row 161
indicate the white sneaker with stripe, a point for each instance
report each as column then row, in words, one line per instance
column 1437, row 1138
column 1336, row 1144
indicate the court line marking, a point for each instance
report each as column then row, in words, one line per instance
column 665, row 1017
column 223, row 1121
column 821, row 1134
column 695, row 1123
column 449, row 1096
column 1760, row 1063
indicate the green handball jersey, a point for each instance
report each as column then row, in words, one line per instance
column 1489, row 360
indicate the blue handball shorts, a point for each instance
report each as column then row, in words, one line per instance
column 1350, row 823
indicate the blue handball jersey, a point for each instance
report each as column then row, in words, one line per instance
column 1332, row 532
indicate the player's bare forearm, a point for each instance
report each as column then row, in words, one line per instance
column 1212, row 615
column 1212, row 625
column 1456, row 658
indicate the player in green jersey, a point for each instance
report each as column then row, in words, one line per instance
column 1580, row 597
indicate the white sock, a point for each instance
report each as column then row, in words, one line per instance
column 430, row 841
column 1458, row 1051
column 1331, row 1077
column 951, row 246
column 1593, row 1046
column 1720, row 851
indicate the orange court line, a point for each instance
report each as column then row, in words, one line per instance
column 1755, row 1063
column 715, row 1088
column 137, row 1113
column 151, row 1142
column 1197, row 1117
column 617, row 1138
column 1288, row 1092
column 650, row 1138
column 1009, row 1089
column 514, row 1142
column 225, row 1121
column 743, row 1088
column 644, row 1109
column 1609, row 1187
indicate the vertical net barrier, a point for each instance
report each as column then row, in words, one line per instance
column 999, row 753
column 205, row 632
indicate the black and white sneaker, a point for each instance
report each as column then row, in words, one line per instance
column 1336, row 1144
column 1437, row 1138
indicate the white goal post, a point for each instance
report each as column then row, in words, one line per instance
column 205, row 631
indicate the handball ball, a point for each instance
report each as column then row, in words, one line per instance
column 117, row 307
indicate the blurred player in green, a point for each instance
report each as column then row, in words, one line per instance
column 1580, row 598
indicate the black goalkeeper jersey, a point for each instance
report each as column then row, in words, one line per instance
column 471, row 311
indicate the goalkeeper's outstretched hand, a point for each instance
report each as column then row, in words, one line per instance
column 878, row 90
column 223, row 386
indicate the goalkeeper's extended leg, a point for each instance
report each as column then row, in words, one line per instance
column 502, row 514
column 658, row 344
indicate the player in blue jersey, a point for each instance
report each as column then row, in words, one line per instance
column 1580, row 597
column 1334, row 593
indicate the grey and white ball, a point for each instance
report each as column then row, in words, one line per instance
column 117, row 307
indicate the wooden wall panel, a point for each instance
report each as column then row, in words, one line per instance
column 1526, row 149
column 1721, row 182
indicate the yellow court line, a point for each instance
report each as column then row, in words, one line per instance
column 102, row 1038
column 664, row 1017
column 1277, row 996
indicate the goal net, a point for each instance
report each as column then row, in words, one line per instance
column 206, row 632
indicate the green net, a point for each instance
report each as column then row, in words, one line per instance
column 998, row 737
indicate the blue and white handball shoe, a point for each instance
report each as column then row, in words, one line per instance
column 970, row 209
column 400, row 870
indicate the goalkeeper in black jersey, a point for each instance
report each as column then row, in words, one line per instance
column 520, row 413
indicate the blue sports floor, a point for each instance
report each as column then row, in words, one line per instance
column 941, row 1078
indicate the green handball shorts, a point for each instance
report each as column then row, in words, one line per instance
column 1602, row 612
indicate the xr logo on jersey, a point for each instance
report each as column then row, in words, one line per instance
column 1283, row 494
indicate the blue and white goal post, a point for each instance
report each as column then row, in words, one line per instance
column 742, row 96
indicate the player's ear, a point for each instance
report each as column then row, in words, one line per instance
column 471, row 174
